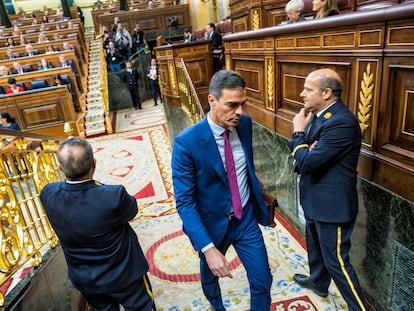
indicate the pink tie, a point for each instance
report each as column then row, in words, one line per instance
column 231, row 176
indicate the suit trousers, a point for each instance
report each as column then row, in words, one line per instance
column 328, row 253
column 136, row 101
column 247, row 239
column 155, row 90
column 136, row 297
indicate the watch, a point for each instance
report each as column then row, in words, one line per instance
column 298, row 134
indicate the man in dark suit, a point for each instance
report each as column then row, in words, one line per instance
column 189, row 37
column 63, row 62
column 30, row 51
column 113, row 57
column 216, row 44
column 326, row 152
column 105, row 261
column 130, row 76
column 19, row 69
column 154, row 85
column 218, row 195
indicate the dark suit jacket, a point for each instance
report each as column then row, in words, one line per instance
column 69, row 63
column 216, row 40
column 328, row 173
column 201, row 187
column 91, row 221
column 25, row 68
column 131, row 79
column 35, row 52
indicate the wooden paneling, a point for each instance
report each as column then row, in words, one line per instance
column 374, row 58
column 42, row 111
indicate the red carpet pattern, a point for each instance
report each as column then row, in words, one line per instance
column 140, row 159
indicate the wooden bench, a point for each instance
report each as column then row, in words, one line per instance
column 63, row 34
column 53, row 59
column 42, row 111
column 41, row 48
column 48, row 76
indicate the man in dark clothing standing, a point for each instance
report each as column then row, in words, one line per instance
column 153, row 81
column 130, row 76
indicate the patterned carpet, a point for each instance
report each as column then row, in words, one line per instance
column 139, row 158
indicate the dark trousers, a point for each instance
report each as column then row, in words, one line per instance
column 136, row 101
column 328, row 253
column 247, row 240
column 155, row 90
column 136, row 297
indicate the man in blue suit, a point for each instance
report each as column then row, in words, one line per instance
column 204, row 197
column 105, row 261
column 326, row 144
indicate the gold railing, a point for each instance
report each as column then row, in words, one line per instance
column 28, row 162
column 190, row 101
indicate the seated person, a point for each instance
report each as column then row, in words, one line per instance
column 42, row 38
column 13, row 88
column 10, row 54
column 44, row 65
column 324, row 8
column 67, row 47
column 189, row 37
column 294, row 11
column 50, row 49
column 66, row 63
column 19, row 69
column 4, row 71
column 30, row 51
column 7, row 122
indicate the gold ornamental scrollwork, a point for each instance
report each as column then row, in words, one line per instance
column 270, row 83
column 365, row 99
column 256, row 20
column 173, row 80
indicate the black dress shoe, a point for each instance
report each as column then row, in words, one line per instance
column 306, row 282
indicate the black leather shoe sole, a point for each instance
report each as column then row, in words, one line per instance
column 306, row 282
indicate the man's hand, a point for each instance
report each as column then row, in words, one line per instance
column 300, row 120
column 217, row 263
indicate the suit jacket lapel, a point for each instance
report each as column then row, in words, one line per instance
column 209, row 147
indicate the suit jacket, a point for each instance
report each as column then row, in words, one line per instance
column 69, row 63
column 91, row 221
column 328, row 173
column 35, row 52
column 149, row 70
column 216, row 40
column 130, row 78
column 201, row 187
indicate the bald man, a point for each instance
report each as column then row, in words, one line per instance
column 325, row 144
column 105, row 260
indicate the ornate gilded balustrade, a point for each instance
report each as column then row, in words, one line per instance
column 190, row 101
column 27, row 164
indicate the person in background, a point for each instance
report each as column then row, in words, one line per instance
column 325, row 144
column 4, row 71
column 50, row 49
column 10, row 42
column 123, row 41
column 138, row 38
column 153, row 81
column 45, row 18
column 324, row 8
column 44, row 65
column 13, row 87
column 189, row 37
column 218, row 195
column 10, row 54
column 30, row 51
column 216, row 44
column 19, row 69
column 63, row 62
column 130, row 77
column 7, row 122
column 42, row 38
column 294, row 10
column 113, row 58
column 105, row 260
